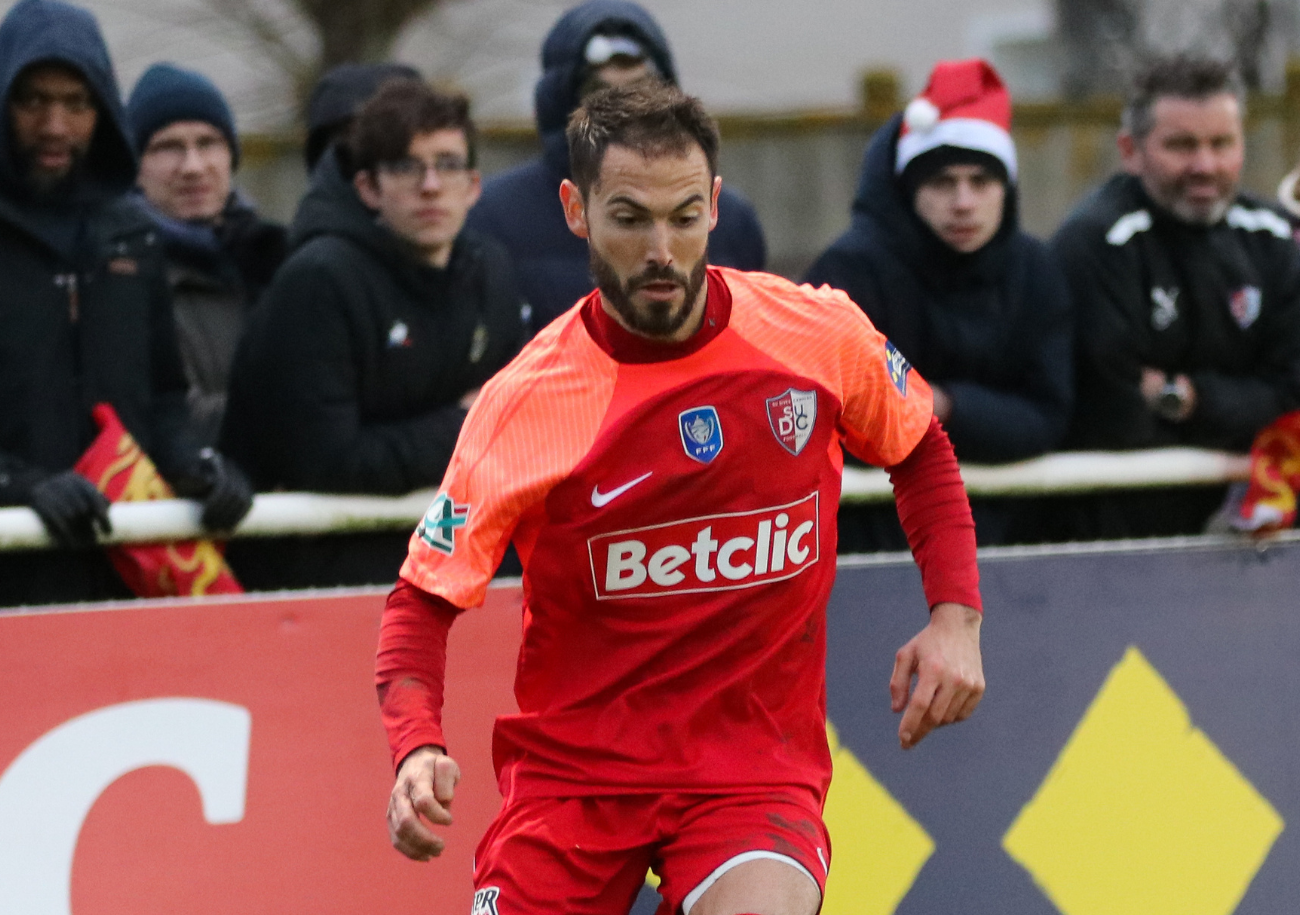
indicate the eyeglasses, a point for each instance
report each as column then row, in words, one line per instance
column 175, row 151
column 413, row 173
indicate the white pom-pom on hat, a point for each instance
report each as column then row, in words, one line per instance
column 921, row 115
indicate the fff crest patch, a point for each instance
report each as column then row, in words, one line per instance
column 898, row 367
column 444, row 517
column 701, row 433
column 792, row 416
column 1245, row 305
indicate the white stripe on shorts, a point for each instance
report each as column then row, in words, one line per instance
column 695, row 894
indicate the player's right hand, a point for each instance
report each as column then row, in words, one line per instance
column 426, row 783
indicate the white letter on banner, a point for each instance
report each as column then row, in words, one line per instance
column 48, row 791
column 623, row 568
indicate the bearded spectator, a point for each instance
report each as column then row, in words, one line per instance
column 87, row 318
column 1187, row 291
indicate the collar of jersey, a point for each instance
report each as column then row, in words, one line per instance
column 624, row 346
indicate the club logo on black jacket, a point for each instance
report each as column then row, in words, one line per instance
column 1164, row 307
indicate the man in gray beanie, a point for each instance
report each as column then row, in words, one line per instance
column 220, row 252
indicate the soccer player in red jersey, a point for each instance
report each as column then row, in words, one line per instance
column 666, row 458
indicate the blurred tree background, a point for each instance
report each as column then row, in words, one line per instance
column 344, row 31
column 1104, row 39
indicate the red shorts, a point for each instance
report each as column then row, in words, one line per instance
column 589, row 855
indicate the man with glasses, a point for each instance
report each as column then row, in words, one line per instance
column 86, row 317
column 373, row 339
column 220, row 253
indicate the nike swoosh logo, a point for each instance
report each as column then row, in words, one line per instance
column 601, row 499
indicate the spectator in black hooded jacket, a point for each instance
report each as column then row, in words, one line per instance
column 937, row 260
column 357, row 369
column 86, row 317
column 595, row 44
column 360, row 363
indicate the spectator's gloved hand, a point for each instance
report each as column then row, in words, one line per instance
column 71, row 508
column 221, row 486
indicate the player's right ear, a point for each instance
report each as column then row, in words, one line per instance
column 575, row 208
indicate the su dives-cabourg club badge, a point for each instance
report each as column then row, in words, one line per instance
column 792, row 416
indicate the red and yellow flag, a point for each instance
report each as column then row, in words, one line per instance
column 121, row 470
column 1270, row 501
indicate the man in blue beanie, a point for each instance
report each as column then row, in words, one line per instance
column 596, row 44
column 220, row 253
column 87, row 318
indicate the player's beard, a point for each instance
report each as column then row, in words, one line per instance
column 657, row 319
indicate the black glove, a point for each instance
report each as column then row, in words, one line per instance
column 221, row 486
column 71, row 508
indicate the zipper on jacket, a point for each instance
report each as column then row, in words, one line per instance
column 68, row 283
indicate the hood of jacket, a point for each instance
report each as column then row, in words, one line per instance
column 40, row 31
column 880, row 203
column 330, row 206
column 563, row 64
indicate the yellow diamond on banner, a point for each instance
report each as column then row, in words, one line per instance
column 879, row 848
column 1141, row 813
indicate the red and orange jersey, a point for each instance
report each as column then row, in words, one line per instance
column 674, row 509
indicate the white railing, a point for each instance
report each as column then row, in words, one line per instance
column 277, row 514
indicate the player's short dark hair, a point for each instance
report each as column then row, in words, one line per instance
column 654, row 119
column 1187, row 76
column 398, row 112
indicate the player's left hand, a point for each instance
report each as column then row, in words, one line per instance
column 945, row 659
column 426, row 783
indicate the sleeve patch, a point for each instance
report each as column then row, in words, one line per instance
column 898, row 367
column 438, row 528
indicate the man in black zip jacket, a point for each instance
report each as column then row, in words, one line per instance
column 1187, row 292
column 371, row 342
column 85, row 315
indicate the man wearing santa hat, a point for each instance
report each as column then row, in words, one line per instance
column 935, row 256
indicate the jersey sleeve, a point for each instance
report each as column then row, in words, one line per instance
column 458, row 544
column 510, row 454
column 887, row 405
